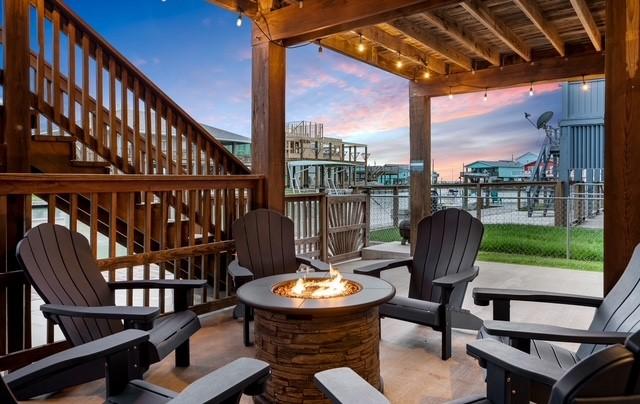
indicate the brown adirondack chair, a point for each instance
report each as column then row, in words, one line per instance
column 60, row 266
column 446, row 248
column 265, row 246
column 117, row 353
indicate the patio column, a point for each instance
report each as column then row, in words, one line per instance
column 15, row 137
column 419, row 156
column 268, row 109
column 622, row 145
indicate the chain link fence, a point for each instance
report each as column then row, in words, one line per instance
column 520, row 227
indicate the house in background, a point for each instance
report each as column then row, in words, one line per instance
column 238, row 145
column 493, row 171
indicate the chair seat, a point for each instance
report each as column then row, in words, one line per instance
column 547, row 352
column 412, row 310
column 170, row 331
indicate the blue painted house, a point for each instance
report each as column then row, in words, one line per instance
column 493, row 171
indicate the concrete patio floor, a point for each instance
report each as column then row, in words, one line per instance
column 410, row 362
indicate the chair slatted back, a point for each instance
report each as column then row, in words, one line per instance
column 61, row 267
column 448, row 242
column 620, row 309
column 600, row 377
column 265, row 243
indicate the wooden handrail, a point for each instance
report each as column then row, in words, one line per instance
column 21, row 184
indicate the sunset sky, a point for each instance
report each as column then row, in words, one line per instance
column 196, row 54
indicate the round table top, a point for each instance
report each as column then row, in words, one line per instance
column 259, row 294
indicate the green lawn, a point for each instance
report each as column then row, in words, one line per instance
column 532, row 245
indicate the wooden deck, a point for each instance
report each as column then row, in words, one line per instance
column 412, row 370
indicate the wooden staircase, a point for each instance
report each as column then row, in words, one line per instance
column 102, row 115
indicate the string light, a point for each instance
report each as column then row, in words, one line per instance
column 360, row 45
column 319, row 47
column 426, row 74
column 239, row 21
column 484, row 99
column 399, row 62
column 450, row 94
column 531, row 90
column 585, row 85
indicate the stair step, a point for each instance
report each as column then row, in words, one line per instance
column 47, row 138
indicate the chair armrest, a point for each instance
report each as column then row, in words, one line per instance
column 528, row 331
column 238, row 273
column 315, row 264
column 344, row 386
column 159, row 284
column 244, row 375
column 375, row 269
column 482, row 297
column 514, row 361
column 26, row 377
column 127, row 313
column 453, row 280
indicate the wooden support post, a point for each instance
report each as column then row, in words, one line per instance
column 268, row 138
column 17, row 131
column 419, row 156
column 396, row 207
column 622, row 127
column 324, row 227
column 560, row 205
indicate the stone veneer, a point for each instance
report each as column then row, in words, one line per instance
column 297, row 347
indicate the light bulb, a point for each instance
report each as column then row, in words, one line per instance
column 300, row 3
column 484, row 99
column 585, row 86
column 399, row 64
column 427, row 74
column 450, row 96
column 360, row 45
column 530, row 91
column 319, row 48
column 239, row 21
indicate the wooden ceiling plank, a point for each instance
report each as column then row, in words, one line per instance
column 481, row 13
column 531, row 9
column 246, row 7
column 428, row 40
column 322, row 18
column 395, row 44
column 586, row 18
column 544, row 70
column 370, row 56
column 456, row 32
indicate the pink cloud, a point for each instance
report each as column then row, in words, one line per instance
column 463, row 106
column 359, row 70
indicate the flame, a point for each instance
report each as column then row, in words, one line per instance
column 299, row 287
column 332, row 286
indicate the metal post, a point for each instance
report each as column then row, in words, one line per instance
column 478, row 202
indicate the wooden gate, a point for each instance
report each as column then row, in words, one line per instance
column 348, row 226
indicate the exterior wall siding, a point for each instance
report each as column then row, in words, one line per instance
column 582, row 133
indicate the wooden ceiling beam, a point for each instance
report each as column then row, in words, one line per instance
column 322, row 18
column 481, row 13
column 584, row 14
column 428, row 40
column 456, row 32
column 370, row 56
column 543, row 70
column 395, row 44
column 531, row 9
column 247, row 7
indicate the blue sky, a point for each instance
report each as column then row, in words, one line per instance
column 196, row 54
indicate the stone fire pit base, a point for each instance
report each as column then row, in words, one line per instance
column 297, row 347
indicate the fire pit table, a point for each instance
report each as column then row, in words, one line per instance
column 305, row 326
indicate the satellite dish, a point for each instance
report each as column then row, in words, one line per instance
column 544, row 119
